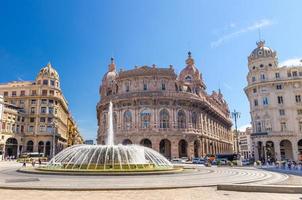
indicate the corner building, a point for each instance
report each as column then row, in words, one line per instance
column 275, row 96
column 35, row 114
column 172, row 114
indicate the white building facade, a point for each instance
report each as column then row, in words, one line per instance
column 246, row 147
column 275, row 97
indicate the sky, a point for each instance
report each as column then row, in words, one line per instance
column 78, row 37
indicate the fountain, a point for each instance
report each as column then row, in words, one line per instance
column 109, row 158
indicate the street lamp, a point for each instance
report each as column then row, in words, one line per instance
column 235, row 116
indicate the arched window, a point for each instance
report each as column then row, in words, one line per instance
column 194, row 120
column 114, row 121
column 181, row 119
column 164, row 118
column 127, row 120
column 41, row 147
column 145, row 119
column 188, row 78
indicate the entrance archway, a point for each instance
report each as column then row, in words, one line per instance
column 183, row 148
column 146, row 143
column 196, row 148
column 300, row 150
column 127, row 142
column 11, row 147
column 260, row 151
column 47, row 149
column 286, row 150
column 165, row 148
column 30, row 146
column 41, row 147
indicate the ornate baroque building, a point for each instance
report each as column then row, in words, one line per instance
column 275, row 96
column 157, row 108
column 33, row 113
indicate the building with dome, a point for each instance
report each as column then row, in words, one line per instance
column 170, row 113
column 35, row 113
column 275, row 96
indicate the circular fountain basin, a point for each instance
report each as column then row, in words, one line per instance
column 109, row 159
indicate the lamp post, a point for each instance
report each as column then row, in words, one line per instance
column 235, row 116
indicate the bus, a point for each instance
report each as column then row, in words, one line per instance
column 227, row 156
column 29, row 157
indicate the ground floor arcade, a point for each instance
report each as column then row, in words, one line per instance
column 272, row 149
column 177, row 147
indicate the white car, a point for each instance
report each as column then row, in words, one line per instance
column 178, row 161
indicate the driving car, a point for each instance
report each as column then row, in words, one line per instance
column 198, row 161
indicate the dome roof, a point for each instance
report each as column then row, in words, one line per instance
column 49, row 72
column 262, row 51
column 110, row 76
column 190, row 72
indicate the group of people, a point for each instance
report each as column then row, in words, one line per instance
column 33, row 162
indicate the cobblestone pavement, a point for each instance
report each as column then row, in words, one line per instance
column 202, row 176
column 173, row 194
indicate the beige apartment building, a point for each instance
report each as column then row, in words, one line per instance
column 34, row 115
column 170, row 113
column 275, row 97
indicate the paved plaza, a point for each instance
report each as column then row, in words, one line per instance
column 197, row 183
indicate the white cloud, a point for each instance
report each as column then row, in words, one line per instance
column 291, row 62
column 255, row 26
column 242, row 128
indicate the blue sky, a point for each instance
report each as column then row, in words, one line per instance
column 79, row 37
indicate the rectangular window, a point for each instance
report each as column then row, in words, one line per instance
column 44, row 101
column 50, row 101
column 265, row 101
column 45, row 82
column 280, row 100
column 33, row 101
column 5, row 94
column 289, row 74
column 51, row 92
column 42, row 128
column 262, row 77
column 279, row 87
column 145, row 86
column 14, row 93
column 295, row 73
column 50, row 110
column 44, row 92
column 127, row 88
column 32, row 110
column 22, row 93
column 33, row 93
column 52, row 82
column 49, row 129
column 31, row 129
column 49, row 120
column 32, row 120
column 253, row 79
column 43, row 110
column 256, row 102
column 298, row 98
column 281, row 112
column 42, row 119
column 277, row 75
column 163, row 86
column 283, row 126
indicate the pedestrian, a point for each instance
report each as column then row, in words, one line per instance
column 33, row 163
column 40, row 162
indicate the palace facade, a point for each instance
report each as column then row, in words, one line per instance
column 34, row 114
column 275, row 96
column 159, row 109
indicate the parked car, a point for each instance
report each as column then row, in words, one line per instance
column 245, row 162
column 198, row 161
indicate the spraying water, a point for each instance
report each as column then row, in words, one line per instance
column 110, row 128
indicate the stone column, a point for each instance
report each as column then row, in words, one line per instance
column 277, row 150
column 174, row 149
column 295, row 150
column 190, row 149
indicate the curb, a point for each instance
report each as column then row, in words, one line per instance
column 261, row 188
